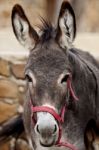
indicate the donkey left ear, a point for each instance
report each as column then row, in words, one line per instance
column 66, row 26
column 24, row 32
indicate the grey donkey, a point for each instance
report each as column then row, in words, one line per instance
column 58, row 76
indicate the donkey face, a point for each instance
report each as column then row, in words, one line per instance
column 48, row 68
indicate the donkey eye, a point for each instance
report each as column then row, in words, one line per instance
column 64, row 79
column 28, row 78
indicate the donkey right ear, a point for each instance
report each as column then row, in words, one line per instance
column 25, row 34
column 66, row 25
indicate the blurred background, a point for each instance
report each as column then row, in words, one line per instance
column 87, row 12
column 13, row 56
column 87, row 17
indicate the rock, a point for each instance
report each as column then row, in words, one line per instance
column 22, row 145
column 18, row 70
column 4, row 146
column 7, row 111
column 4, row 68
column 8, row 89
column 21, row 98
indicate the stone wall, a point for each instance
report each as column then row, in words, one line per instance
column 12, row 88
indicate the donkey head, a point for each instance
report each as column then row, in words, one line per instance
column 48, row 68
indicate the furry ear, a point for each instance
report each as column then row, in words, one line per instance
column 66, row 26
column 25, row 34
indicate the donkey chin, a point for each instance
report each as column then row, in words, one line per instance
column 47, row 142
column 46, row 129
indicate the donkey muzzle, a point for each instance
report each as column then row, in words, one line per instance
column 48, row 126
column 46, row 129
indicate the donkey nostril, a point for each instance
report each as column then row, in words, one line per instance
column 55, row 129
column 44, row 130
column 37, row 128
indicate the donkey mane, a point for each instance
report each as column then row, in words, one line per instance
column 48, row 31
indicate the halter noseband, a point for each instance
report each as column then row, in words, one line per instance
column 59, row 118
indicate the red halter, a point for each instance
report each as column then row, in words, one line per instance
column 59, row 118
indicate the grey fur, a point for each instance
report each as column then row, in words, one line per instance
column 47, row 61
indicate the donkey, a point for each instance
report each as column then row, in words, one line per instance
column 62, row 83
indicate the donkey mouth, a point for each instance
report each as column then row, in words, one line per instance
column 47, row 145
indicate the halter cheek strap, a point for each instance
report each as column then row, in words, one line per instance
column 69, row 86
column 59, row 118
